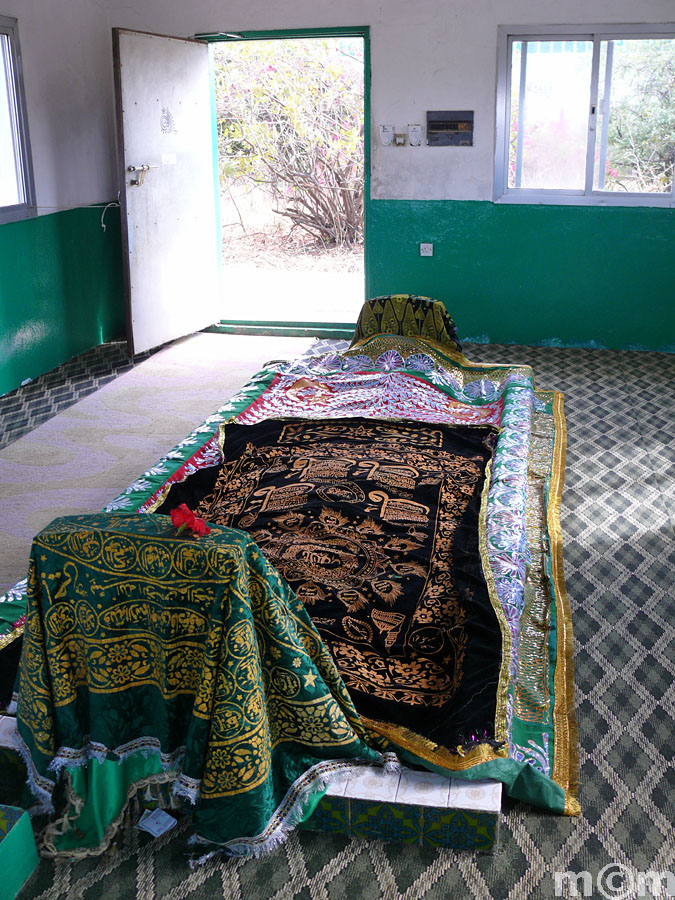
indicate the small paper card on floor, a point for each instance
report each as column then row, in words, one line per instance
column 155, row 822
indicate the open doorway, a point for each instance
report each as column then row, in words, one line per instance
column 292, row 158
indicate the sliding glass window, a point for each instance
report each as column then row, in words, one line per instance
column 17, row 198
column 586, row 117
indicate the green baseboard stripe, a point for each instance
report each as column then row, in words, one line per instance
column 285, row 329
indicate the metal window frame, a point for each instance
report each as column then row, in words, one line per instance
column 17, row 102
column 606, row 104
column 507, row 35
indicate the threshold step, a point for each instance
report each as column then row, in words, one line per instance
column 284, row 329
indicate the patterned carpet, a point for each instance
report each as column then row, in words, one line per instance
column 79, row 459
column 31, row 404
column 620, row 559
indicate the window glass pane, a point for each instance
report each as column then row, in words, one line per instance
column 636, row 123
column 550, row 98
column 10, row 192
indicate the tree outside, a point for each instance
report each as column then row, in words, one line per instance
column 641, row 127
column 290, row 134
column 635, row 134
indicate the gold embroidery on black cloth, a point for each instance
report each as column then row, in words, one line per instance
column 364, row 514
column 382, row 432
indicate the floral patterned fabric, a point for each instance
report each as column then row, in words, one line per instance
column 393, row 377
column 522, row 531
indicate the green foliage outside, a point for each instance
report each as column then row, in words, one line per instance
column 641, row 134
column 290, row 120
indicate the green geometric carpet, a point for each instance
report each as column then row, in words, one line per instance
column 619, row 540
column 31, row 404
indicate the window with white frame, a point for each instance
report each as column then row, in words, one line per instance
column 17, row 198
column 586, row 115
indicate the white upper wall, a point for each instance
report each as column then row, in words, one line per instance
column 66, row 52
column 425, row 54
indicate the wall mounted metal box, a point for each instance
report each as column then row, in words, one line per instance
column 450, row 128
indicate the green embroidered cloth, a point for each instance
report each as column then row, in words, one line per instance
column 408, row 315
column 151, row 658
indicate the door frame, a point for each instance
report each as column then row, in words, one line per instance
column 362, row 31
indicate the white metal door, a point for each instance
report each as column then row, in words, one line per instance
column 167, row 174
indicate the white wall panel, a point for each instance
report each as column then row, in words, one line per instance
column 426, row 54
column 67, row 62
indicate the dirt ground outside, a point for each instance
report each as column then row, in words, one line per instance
column 275, row 273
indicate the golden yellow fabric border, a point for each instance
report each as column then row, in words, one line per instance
column 434, row 753
column 566, row 755
column 457, row 357
column 8, row 639
column 443, row 349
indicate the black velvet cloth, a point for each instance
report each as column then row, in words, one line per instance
column 9, row 666
column 375, row 525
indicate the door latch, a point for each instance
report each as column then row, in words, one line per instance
column 138, row 182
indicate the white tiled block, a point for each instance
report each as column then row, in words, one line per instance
column 485, row 796
column 7, row 731
column 369, row 783
column 337, row 788
column 423, row 789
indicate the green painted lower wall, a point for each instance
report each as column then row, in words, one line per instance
column 565, row 275
column 60, row 290
column 584, row 276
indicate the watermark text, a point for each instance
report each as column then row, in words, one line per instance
column 615, row 882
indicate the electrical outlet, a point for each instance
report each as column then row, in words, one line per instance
column 426, row 249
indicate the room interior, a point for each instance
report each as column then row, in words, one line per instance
column 581, row 293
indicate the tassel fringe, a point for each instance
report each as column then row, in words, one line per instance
column 285, row 819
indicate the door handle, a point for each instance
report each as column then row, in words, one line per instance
column 138, row 182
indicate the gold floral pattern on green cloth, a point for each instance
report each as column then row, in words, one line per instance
column 139, row 640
